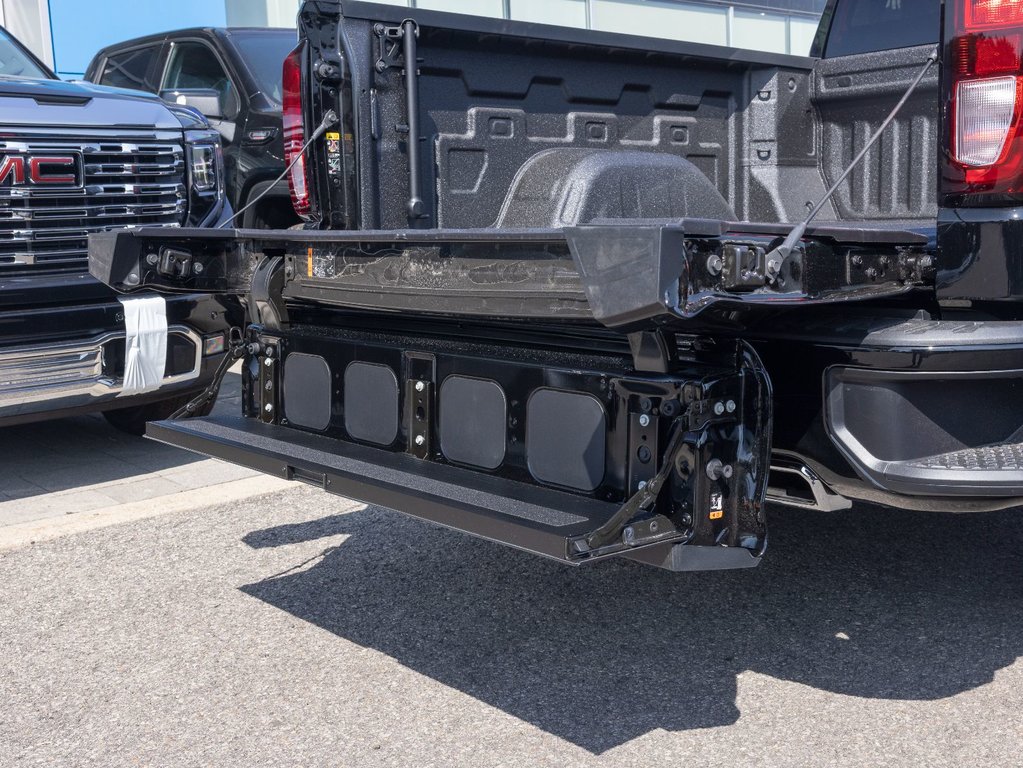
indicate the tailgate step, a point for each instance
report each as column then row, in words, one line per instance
column 576, row 458
column 540, row 520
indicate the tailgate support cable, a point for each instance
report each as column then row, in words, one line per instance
column 642, row 500
column 236, row 351
column 782, row 252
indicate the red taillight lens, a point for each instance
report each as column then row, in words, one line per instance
column 984, row 72
column 294, row 134
column 981, row 55
column 980, row 14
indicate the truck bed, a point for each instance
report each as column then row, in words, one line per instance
column 725, row 133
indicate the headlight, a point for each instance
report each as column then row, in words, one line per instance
column 205, row 168
column 205, row 179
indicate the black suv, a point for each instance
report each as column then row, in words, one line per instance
column 233, row 76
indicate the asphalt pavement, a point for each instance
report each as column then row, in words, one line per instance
column 300, row 629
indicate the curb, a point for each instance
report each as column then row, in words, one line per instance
column 22, row 535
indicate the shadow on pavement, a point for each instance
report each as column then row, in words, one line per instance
column 46, row 456
column 871, row 604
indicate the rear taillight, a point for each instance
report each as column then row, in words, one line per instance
column 294, row 134
column 984, row 77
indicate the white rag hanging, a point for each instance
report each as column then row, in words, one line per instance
column 145, row 358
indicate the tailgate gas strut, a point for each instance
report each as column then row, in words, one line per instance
column 781, row 252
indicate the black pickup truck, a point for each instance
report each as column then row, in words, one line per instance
column 561, row 289
column 77, row 159
column 233, row 77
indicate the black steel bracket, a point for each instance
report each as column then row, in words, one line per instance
column 653, row 351
column 266, row 354
column 642, row 449
column 419, row 400
column 390, row 47
column 266, row 301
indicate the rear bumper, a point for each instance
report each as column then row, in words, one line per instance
column 930, row 433
column 918, row 408
column 61, row 360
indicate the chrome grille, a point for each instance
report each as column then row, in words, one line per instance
column 127, row 184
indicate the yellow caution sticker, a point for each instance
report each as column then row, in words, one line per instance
column 334, row 154
column 717, row 506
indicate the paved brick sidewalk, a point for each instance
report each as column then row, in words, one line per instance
column 58, row 468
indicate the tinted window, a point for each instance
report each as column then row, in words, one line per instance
column 862, row 26
column 128, row 69
column 14, row 62
column 195, row 65
column 264, row 54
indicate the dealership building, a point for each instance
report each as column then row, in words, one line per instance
column 66, row 33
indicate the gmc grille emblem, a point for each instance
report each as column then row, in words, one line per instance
column 56, row 170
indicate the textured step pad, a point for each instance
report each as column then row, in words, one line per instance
column 992, row 458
